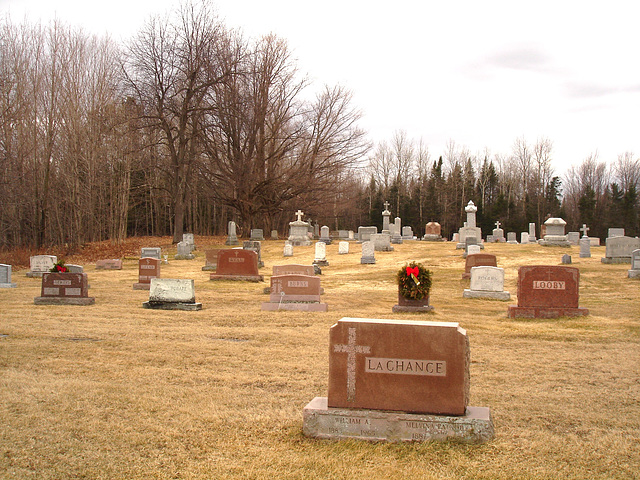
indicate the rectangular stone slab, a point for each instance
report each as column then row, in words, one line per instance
column 237, row 262
column 402, row 365
column 66, row 285
column 548, row 286
column 109, row 264
column 293, row 269
column 172, row 290
column 148, row 269
column 295, row 288
column 320, row 421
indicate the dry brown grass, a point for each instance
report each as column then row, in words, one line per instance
column 117, row 391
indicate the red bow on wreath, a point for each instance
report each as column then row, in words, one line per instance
column 413, row 273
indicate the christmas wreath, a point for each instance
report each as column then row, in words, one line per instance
column 414, row 281
column 59, row 267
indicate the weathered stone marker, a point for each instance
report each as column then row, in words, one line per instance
column 172, row 294
column 397, row 380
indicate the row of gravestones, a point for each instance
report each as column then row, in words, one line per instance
column 383, row 389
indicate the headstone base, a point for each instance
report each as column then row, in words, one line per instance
column 241, row 278
column 554, row 241
column 321, row 263
column 35, row 274
column 209, row 268
column 326, row 241
column 409, row 309
column 319, row 421
column 433, row 238
column 64, row 300
column 463, row 245
column 486, row 294
column 299, row 306
column 190, row 256
column 545, row 312
column 631, row 274
column 172, row 306
column 141, row 286
column 232, row 241
column 612, row 260
column 8, row 285
column 367, row 260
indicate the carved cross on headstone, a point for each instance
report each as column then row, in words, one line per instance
column 386, row 205
column 584, row 229
column 498, row 224
column 299, row 214
column 351, row 349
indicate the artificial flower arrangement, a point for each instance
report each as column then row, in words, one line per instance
column 59, row 267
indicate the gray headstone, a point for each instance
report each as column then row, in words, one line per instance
column 288, row 250
column 511, row 238
column 615, row 232
column 634, row 272
column 585, row 247
column 184, row 251
column 75, row 268
column 532, row 232
column 257, row 234
column 619, row 249
column 487, row 282
column 382, row 242
column 151, row 252
column 574, row 238
column 254, row 246
column 5, row 276
column 524, row 237
column 274, row 234
column 232, row 237
column 473, row 249
column 364, row 233
column 566, row 259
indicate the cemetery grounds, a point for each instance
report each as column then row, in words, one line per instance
column 117, row 391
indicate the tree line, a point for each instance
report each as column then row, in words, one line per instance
column 189, row 125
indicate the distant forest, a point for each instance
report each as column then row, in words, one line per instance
column 190, row 125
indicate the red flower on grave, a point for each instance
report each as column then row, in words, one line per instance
column 59, row 267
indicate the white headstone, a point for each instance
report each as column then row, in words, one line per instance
column 473, row 249
column 487, row 282
column 368, row 253
column 288, row 250
column 615, row 232
column 5, row 276
column 585, row 247
column 524, row 237
column 151, row 252
column 634, row 272
column 343, row 248
column 321, row 254
column 42, row 263
column 172, row 290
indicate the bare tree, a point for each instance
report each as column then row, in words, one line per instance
column 171, row 67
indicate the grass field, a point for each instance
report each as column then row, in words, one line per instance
column 116, row 391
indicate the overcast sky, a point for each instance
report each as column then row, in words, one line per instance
column 479, row 72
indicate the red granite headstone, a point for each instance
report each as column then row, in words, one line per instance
column 297, row 288
column 432, row 228
column 148, row 268
column 547, row 291
column 64, row 289
column 237, row 264
column 110, row 264
column 478, row 260
column 401, row 365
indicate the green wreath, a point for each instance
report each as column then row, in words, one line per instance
column 59, row 267
column 407, row 284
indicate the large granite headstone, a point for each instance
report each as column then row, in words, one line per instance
column 547, row 291
column 554, row 233
column 382, row 242
column 397, row 380
column 618, row 249
column 257, row 234
column 295, row 292
column 64, row 289
column 615, row 232
column 237, row 264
